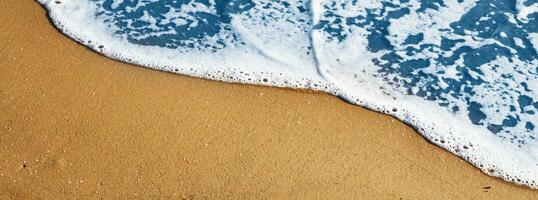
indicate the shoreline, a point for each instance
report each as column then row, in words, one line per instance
column 78, row 124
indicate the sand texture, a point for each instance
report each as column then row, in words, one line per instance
column 77, row 125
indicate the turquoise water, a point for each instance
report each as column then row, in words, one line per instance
column 464, row 73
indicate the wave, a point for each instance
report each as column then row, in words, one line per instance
column 464, row 73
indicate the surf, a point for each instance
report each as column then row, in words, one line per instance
column 463, row 73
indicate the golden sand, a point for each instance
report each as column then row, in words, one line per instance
column 76, row 125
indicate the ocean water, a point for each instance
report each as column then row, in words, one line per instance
column 464, row 73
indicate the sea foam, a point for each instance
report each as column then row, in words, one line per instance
column 464, row 73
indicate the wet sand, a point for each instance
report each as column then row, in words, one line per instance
column 76, row 125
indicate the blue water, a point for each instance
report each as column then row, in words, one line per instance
column 463, row 72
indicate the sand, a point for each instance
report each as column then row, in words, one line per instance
column 77, row 125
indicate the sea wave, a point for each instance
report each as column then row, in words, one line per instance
column 464, row 73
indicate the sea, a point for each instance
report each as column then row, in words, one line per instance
column 463, row 73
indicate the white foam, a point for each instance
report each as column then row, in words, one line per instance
column 525, row 11
column 533, row 38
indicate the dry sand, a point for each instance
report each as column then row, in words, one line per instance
column 76, row 125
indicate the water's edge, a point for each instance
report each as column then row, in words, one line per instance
column 482, row 155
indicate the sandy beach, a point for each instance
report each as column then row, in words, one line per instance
column 77, row 125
